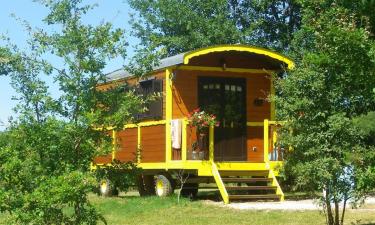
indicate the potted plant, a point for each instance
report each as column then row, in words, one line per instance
column 201, row 120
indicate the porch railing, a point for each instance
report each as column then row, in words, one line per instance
column 185, row 149
column 271, row 150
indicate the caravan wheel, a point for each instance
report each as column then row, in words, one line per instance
column 163, row 186
column 105, row 188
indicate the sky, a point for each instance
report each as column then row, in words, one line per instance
column 114, row 11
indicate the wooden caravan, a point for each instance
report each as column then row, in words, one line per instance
column 232, row 82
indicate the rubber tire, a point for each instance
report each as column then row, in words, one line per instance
column 189, row 190
column 146, row 185
column 163, row 186
column 105, row 188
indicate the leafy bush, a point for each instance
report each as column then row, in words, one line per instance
column 121, row 175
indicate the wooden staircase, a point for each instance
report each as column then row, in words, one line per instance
column 248, row 188
column 247, row 185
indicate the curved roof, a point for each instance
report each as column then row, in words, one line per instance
column 186, row 57
column 240, row 48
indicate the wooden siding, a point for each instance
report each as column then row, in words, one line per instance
column 258, row 86
column 153, row 137
column 134, row 81
column 153, row 144
column 185, row 99
column 103, row 159
column 255, row 144
column 127, row 141
column 184, row 92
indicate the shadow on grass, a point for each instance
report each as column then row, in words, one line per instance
column 208, row 195
column 295, row 196
column 214, row 195
column 359, row 223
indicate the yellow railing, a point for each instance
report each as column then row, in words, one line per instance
column 211, row 145
column 128, row 126
column 269, row 139
column 267, row 142
column 220, row 183
column 275, row 183
column 184, row 141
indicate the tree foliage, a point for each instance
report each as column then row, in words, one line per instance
column 170, row 27
column 331, row 86
column 44, row 164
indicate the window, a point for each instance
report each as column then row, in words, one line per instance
column 155, row 107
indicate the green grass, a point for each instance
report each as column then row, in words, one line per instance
column 153, row 210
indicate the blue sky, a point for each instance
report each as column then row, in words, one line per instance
column 115, row 11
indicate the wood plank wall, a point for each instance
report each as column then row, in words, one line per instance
column 134, row 81
column 152, row 137
column 103, row 159
column 185, row 100
column 127, row 141
column 153, row 144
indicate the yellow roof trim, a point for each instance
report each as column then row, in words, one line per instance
column 240, row 48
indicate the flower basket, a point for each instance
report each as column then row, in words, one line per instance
column 201, row 121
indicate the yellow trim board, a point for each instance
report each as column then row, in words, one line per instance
column 145, row 124
column 279, row 191
column 220, row 69
column 134, row 125
column 184, row 140
column 168, row 114
column 255, row 124
column 220, row 184
column 114, row 144
column 273, row 103
column 241, row 48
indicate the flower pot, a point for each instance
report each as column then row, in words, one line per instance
column 194, row 155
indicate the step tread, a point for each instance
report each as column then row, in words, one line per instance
column 244, row 180
column 243, row 172
column 251, row 188
column 269, row 196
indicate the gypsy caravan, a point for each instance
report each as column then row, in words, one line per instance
column 230, row 84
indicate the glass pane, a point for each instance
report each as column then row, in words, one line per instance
column 205, row 87
column 217, row 86
column 239, row 88
column 233, row 87
column 211, row 86
column 227, row 87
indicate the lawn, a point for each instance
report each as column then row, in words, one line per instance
column 164, row 211
column 153, row 210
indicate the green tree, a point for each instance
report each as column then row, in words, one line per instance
column 44, row 164
column 170, row 27
column 331, row 86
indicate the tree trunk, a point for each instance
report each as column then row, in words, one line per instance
column 343, row 211
column 328, row 208
column 337, row 212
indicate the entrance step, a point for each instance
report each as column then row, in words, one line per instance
column 250, row 188
column 247, row 185
column 245, row 179
column 255, row 197
column 226, row 173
